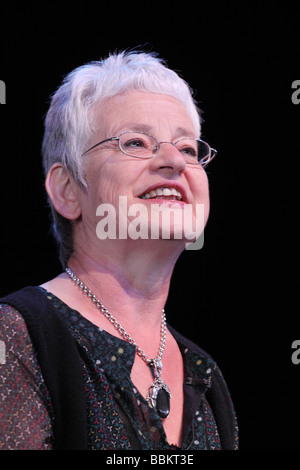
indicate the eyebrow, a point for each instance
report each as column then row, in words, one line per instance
column 179, row 132
column 139, row 127
column 182, row 131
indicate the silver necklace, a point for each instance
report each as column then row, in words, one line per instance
column 159, row 394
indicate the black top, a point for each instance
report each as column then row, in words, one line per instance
column 92, row 402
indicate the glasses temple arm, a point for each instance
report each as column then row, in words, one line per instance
column 99, row 143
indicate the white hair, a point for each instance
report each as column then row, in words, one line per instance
column 70, row 118
column 69, row 121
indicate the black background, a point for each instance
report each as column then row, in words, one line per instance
column 238, row 296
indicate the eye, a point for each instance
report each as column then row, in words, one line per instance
column 188, row 147
column 135, row 143
column 189, row 151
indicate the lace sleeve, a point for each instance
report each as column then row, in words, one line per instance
column 25, row 407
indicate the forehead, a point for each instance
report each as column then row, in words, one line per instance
column 142, row 111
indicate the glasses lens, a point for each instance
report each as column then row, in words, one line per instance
column 194, row 151
column 189, row 148
column 137, row 144
column 203, row 152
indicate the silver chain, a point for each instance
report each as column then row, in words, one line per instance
column 119, row 328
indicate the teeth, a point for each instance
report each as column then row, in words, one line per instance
column 167, row 192
column 163, row 192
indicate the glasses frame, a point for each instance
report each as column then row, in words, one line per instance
column 212, row 152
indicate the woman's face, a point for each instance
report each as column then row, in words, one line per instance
column 109, row 173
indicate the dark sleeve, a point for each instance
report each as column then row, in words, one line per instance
column 25, row 418
column 218, row 397
column 221, row 403
column 59, row 359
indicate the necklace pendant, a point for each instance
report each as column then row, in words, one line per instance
column 159, row 393
column 159, row 398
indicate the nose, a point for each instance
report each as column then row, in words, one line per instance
column 168, row 158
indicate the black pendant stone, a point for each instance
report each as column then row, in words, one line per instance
column 163, row 403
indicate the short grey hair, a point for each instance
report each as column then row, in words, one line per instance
column 70, row 118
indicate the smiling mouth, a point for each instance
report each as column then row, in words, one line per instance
column 163, row 192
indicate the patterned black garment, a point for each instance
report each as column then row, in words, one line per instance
column 118, row 416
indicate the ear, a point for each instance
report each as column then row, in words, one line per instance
column 63, row 191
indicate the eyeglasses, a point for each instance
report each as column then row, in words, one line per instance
column 142, row 145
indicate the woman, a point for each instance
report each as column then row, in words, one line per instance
column 99, row 368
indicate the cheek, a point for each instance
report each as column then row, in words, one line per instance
column 101, row 180
column 112, row 179
column 200, row 189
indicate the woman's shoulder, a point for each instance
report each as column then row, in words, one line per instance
column 11, row 319
column 14, row 335
column 183, row 340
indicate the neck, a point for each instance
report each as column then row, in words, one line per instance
column 131, row 283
